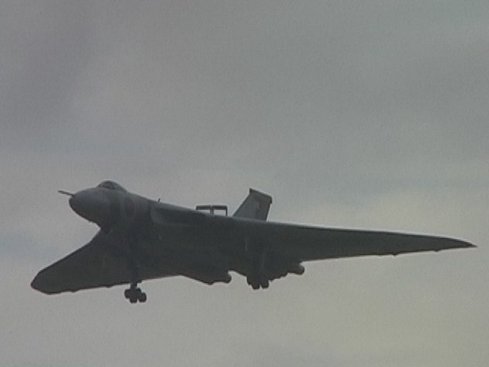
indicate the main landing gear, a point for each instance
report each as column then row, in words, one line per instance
column 258, row 281
column 135, row 294
column 257, row 274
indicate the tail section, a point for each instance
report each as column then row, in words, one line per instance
column 255, row 206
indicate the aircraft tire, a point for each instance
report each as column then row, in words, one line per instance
column 142, row 297
column 265, row 283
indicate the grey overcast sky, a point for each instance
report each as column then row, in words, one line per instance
column 361, row 114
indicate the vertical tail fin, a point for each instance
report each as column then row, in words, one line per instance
column 255, row 206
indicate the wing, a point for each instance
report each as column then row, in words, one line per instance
column 272, row 250
column 100, row 263
column 315, row 243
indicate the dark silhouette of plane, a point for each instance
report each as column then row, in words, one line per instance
column 142, row 239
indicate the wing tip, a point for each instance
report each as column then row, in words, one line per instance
column 37, row 284
column 468, row 245
column 452, row 243
column 42, row 284
column 465, row 244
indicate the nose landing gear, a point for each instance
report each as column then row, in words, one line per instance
column 134, row 294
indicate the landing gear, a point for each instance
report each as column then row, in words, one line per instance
column 134, row 294
column 264, row 265
column 257, row 274
column 258, row 281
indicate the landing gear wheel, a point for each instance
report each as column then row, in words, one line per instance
column 135, row 294
column 254, row 282
column 142, row 297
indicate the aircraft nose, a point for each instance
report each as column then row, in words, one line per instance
column 80, row 203
column 90, row 205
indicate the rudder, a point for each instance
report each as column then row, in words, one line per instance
column 255, row 206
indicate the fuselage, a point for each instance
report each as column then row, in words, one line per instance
column 160, row 232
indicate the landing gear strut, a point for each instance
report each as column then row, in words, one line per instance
column 257, row 277
column 135, row 294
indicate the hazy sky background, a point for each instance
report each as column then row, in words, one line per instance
column 362, row 114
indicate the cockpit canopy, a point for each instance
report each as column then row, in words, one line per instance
column 111, row 185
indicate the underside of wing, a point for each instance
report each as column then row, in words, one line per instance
column 100, row 263
column 314, row 243
column 273, row 250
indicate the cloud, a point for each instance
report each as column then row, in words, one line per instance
column 350, row 113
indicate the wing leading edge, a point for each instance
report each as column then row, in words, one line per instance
column 315, row 243
column 99, row 263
